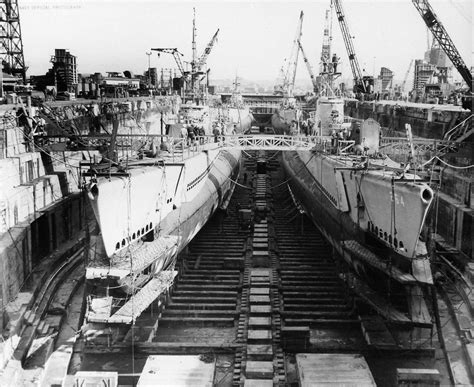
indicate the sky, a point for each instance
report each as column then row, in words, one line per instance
column 254, row 39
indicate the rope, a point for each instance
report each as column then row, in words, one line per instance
column 447, row 164
column 131, row 270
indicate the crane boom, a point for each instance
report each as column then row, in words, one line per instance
column 308, row 66
column 176, row 55
column 289, row 73
column 357, row 74
column 441, row 35
column 298, row 37
column 203, row 58
column 406, row 76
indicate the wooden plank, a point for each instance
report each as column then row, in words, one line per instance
column 99, row 309
column 418, row 375
column 361, row 252
column 376, row 333
column 144, row 254
column 92, row 378
column 323, row 369
column 417, row 305
column 379, row 303
column 177, row 370
column 141, row 300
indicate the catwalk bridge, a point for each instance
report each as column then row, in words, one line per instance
column 128, row 144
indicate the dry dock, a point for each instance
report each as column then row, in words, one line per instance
column 258, row 289
column 260, row 297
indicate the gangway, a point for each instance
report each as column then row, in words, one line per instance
column 272, row 142
column 137, row 142
column 181, row 148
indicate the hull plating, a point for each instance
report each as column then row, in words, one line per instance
column 283, row 120
column 175, row 199
column 360, row 205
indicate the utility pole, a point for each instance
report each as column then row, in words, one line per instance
column 149, row 75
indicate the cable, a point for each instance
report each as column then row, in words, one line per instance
column 453, row 166
column 447, row 164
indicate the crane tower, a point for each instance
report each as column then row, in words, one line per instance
column 326, row 49
column 11, row 48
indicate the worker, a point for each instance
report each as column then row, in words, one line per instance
column 201, row 134
column 344, row 134
column 191, row 135
column 333, row 138
column 293, row 128
column 184, row 134
column 304, row 127
column 340, row 135
column 216, row 132
column 335, row 61
column 40, row 125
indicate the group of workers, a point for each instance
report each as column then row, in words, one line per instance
column 191, row 132
column 331, row 66
column 305, row 127
column 339, row 135
column 34, row 128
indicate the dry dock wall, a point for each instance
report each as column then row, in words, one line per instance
column 40, row 208
column 455, row 223
column 429, row 121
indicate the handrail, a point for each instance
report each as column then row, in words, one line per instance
column 449, row 134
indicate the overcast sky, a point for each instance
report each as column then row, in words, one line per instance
column 254, row 39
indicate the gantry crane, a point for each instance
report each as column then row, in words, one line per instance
column 441, row 35
column 359, row 80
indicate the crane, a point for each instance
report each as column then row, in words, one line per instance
column 177, row 57
column 290, row 72
column 441, row 35
column 402, row 88
column 359, row 81
column 308, row 66
column 196, row 63
column 327, row 38
column 203, row 58
column 328, row 69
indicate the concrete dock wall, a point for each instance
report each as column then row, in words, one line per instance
column 40, row 207
column 25, row 244
column 429, row 121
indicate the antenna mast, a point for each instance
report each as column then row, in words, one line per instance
column 193, row 62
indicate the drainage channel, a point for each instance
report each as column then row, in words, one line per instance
column 261, row 361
